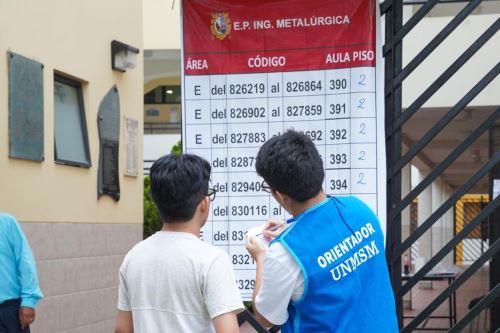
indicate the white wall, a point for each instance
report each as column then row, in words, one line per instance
column 162, row 24
column 157, row 145
column 444, row 55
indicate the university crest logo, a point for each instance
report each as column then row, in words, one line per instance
column 220, row 25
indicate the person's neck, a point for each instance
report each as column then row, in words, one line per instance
column 299, row 207
column 191, row 227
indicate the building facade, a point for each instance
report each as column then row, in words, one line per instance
column 50, row 113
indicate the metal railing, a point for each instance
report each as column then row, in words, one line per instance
column 395, row 119
column 162, row 128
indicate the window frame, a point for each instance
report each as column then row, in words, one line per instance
column 163, row 93
column 81, row 106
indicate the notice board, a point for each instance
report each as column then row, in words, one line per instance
column 252, row 70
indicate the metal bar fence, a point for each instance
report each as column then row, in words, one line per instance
column 395, row 119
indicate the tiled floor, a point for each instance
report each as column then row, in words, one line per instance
column 476, row 286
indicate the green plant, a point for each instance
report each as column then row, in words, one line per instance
column 177, row 148
column 152, row 221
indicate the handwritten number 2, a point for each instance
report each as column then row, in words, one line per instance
column 362, row 79
column 361, row 104
column 362, row 127
column 361, row 178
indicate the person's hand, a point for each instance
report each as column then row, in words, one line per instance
column 26, row 316
column 255, row 248
column 276, row 226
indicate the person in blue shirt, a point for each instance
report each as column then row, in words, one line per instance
column 325, row 270
column 19, row 290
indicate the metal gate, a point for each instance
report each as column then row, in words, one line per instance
column 396, row 74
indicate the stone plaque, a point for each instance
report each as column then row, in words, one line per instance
column 108, row 123
column 25, row 108
column 131, row 144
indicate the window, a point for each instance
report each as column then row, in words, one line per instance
column 70, row 128
column 153, row 113
column 164, row 95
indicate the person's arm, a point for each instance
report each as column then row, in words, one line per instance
column 26, row 316
column 124, row 323
column 259, row 262
column 257, row 251
column 226, row 323
column 221, row 295
column 275, row 282
column 30, row 291
column 124, row 319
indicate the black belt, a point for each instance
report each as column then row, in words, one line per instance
column 10, row 302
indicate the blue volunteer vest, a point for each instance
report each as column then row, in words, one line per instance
column 339, row 247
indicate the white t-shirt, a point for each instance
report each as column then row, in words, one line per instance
column 282, row 282
column 174, row 282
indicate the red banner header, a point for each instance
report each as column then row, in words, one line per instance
column 277, row 36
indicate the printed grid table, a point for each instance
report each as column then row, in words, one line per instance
column 231, row 107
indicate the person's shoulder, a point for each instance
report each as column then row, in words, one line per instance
column 278, row 253
column 349, row 200
column 7, row 219
column 209, row 251
column 354, row 204
column 137, row 248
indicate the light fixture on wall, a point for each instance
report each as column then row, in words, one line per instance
column 123, row 56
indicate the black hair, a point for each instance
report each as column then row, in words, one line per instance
column 178, row 184
column 290, row 164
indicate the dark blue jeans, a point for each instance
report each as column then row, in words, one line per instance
column 9, row 317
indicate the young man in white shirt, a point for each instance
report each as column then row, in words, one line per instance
column 173, row 281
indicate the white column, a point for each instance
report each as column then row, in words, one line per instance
column 424, row 211
column 405, row 219
column 449, row 225
column 438, row 225
column 425, row 241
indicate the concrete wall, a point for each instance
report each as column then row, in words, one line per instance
column 77, row 266
column 434, row 239
column 78, row 240
column 157, row 145
column 445, row 54
column 162, row 24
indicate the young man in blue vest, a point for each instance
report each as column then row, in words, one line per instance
column 326, row 271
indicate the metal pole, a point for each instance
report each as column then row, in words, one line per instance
column 494, row 230
column 393, row 105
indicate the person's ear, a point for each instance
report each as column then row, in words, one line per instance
column 205, row 204
column 280, row 197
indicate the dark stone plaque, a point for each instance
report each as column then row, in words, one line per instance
column 108, row 122
column 25, row 108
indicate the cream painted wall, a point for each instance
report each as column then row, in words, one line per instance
column 72, row 37
column 467, row 76
column 162, row 24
